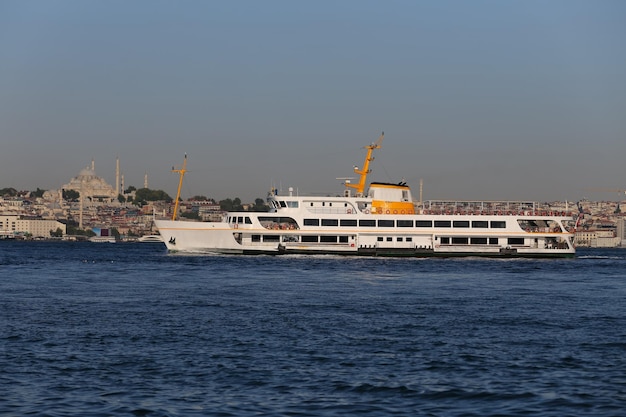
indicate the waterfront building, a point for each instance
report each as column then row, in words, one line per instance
column 597, row 238
column 21, row 225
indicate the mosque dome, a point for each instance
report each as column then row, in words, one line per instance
column 91, row 186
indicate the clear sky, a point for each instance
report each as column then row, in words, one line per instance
column 522, row 100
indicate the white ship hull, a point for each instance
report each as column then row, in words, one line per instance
column 232, row 237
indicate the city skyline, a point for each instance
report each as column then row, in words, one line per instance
column 482, row 100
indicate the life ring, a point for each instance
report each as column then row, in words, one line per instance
column 402, row 212
column 366, row 211
column 349, row 211
column 387, row 212
column 351, row 245
column 235, row 225
column 395, row 212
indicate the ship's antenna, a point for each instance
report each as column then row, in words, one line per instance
column 181, row 172
column 363, row 172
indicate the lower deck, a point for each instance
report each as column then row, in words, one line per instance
column 409, row 245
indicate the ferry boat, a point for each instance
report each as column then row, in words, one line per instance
column 150, row 239
column 379, row 221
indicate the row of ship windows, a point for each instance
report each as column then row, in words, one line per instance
column 478, row 224
column 479, row 241
column 305, row 239
column 344, row 239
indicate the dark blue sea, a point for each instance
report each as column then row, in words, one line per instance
column 97, row 329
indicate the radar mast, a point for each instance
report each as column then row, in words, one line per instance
column 360, row 186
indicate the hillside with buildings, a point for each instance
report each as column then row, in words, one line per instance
column 87, row 205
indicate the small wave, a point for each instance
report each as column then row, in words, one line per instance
column 373, row 389
column 606, row 257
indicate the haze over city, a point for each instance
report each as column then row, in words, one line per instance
column 482, row 100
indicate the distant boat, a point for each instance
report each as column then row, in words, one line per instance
column 102, row 239
column 150, row 239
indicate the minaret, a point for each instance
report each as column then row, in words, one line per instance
column 421, row 190
column 82, row 199
column 117, row 177
column 145, row 180
column 122, row 183
column 93, row 165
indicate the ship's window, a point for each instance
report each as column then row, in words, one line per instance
column 343, row 239
column 380, row 238
column 256, row 238
column 478, row 241
column 493, row 241
column 445, row 240
column 367, row 223
column 385, row 223
column 248, row 221
column 409, row 239
column 330, row 204
column 347, row 222
column 423, row 223
column 460, row 223
column 399, row 239
column 271, row 238
column 282, row 204
column 292, row 204
column 311, row 204
column 459, row 241
column 330, row 222
column 328, row 239
column 481, row 224
column 405, row 223
column 311, row 222
column 515, row 241
column 345, row 204
column 442, row 223
column 405, row 195
column 240, row 219
column 309, row 239
column 498, row 224
column 389, row 239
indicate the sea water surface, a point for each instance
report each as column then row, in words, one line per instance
column 95, row 329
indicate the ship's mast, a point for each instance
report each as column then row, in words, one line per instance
column 360, row 187
column 181, row 172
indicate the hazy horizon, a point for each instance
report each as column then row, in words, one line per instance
column 483, row 100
